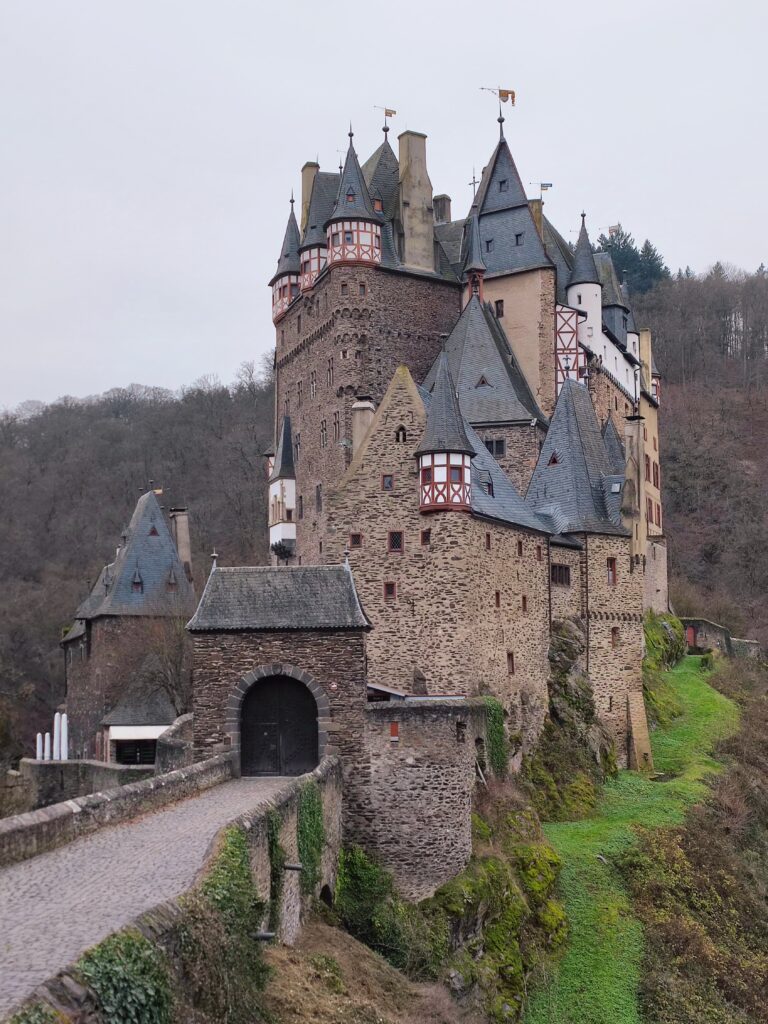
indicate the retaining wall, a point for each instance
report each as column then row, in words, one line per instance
column 26, row 835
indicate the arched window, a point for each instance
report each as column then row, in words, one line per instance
column 614, row 636
column 401, row 435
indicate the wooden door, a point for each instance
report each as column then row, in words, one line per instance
column 278, row 728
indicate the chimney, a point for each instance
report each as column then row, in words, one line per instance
column 416, row 214
column 442, row 207
column 536, row 206
column 646, row 355
column 363, row 409
column 180, row 531
column 308, row 172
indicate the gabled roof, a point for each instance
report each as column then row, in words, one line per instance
column 450, row 236
column 382, row 175
column 504, row 503
column 289, row 253
column 277, row 598
column 353, row 185
column 148, row 550
column 444, row 431
column 283, row 468
column 612, row 293
column 142, row 706
column 614, row 447
column 569, row 489
column 584, row 270
column 477, row 349
column 325, row 188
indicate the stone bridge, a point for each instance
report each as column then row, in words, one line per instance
column 56, row 904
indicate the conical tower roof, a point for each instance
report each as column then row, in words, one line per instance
column 353, row 200
column 584, row 268
column 325, row 188
column 382, row 175
column 283, row 468
column 444, row 431
column 289, row 253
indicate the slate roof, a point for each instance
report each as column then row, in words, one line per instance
column 279, row 598
column 473, row 259
column 505, row 218
column 477, row 348
column 148, row 550
column 571, row 492
column 289, row 253
column 614, row 447
column 584, row 270
column 444, row 431
column 505, row 504
column 151, row 707
column 353, row 184
column 283, row 468
column 450, row 237
column 612, row 293
column 382, row 175
column 325, row 188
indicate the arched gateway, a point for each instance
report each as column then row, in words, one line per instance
column 278, row 728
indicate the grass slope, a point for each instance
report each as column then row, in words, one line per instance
column 597, row 980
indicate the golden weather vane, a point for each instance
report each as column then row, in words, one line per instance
column 388, row 112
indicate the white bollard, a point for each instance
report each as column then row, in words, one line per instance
column 64, row 737
column 47, row 747
column 57, row 736
column 39, row 747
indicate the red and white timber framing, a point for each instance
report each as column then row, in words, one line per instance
column 570, row 357
column 312, row 262
column 354, row 241
column 444, row 481
column 284, row 291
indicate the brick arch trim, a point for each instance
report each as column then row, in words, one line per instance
column 237, row 695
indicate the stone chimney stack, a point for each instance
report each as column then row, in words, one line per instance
column 536, row 207
column 442, row 205
column 363, row 409
column 646, row 355
column 308, row 172
column 416, row 213
column 180, row 532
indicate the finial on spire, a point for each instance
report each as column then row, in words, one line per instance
column 583, row 218
column 214, row 559
column 500, row 119
column 292, row 199
column 350, row 133
column 474, row 183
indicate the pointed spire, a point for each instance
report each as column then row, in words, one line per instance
column 444, row 431
column 289, row 253
column 584, row 268
column 283, row 468
column 500, row 119
column 353, row 200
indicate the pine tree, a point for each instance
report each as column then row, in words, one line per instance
column 652, row 268
column 625, row 255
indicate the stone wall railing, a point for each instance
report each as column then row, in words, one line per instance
column 174, row 746
column 26, row 835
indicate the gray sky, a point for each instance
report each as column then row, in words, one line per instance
column 148, row 149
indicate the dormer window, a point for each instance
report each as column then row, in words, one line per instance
column 499, row 308
column 378, row 205
column 482, row 382
column 153, row 531
column 489, row 245
column 553, row 460
column 350, row 196
column 519, row 238
column 504, row 185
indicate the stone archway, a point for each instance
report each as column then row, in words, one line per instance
column 278, row 729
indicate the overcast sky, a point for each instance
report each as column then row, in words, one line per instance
column 148, row 149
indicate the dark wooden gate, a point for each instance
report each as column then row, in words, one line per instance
column 278, row 728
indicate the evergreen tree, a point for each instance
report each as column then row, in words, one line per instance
column 652, row 268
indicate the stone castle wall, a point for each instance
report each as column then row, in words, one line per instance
column 400, row 318
column 656, row 588
column 522, row 446
column 567, row 601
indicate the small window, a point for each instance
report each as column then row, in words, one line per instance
column 497, row 599
column 345, row 289
column 361, row 288
column 378, row 205
column 387, row 482
column 510, row 663
column 538, row 553
column 153, row 531
column 394, row 731
column 489, row 245
column 390, row 591
column 350, row 196
column 319, row 498
column 401, row 435
column 499, row 307
column 487, row 542
column 616, row 404
column 335, row 238
column 426, row 538
column 461, row 732
column 289, row 515
column 654, row 444
column 301, row 506
column 519, row 549
column 524, row 602
column 611, row 569
column 457, row 474
column 578, row 299
column 497, row 446
column 553, row 460
column 487, row 485
column 503, row 185
column 482, row 382
column 519, row 238
column 395, row 542
column 426, row 475
column 298, row 324
column 560, row 575
column 614, row 636
column 355, row 540
column 349, row 238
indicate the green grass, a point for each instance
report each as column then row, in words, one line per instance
column 597, row 980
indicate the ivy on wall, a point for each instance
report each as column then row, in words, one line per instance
column 310, row 832
column 131, row 979
column 277, row 859
column 495, row 738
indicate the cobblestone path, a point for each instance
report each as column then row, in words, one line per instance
column 56, row 905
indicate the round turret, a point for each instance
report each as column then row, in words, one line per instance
column 445, row 453
column 285, row 283
column 354, row 227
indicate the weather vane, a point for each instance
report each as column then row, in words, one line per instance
column 388, row 112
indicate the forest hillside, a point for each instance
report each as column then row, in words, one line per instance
column 70, row 473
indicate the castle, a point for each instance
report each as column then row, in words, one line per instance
column 467, row 452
